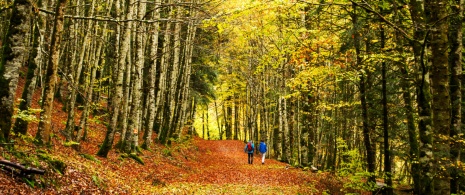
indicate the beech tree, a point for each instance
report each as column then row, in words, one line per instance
column 45, row 126
column 14, row 52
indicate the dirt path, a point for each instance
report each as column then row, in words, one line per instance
column 223, row 169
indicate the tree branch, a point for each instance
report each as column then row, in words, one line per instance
column 109, row 19
column 406, row 35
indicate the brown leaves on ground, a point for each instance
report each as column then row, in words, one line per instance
column 192, row 166
column 195, row 166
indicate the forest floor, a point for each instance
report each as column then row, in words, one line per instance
column 189, row 166
column 194, row 166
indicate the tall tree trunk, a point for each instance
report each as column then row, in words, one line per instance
column 125, row 108
column 14, row 52
column 387, row 151
column 117, row 79
column 176, row 72
column 75, row 78
column 34, row 59
column 279, row 135
column 44, row 130
column 436, row 12
column 370, row 152
column 188, row 52
column 164, row 84
column 218, row 122
column 455, row 65
column 151, row 80
column 424, row 185
column 132, row 138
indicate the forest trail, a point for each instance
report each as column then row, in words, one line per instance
column 191, row 166
column 221, row 168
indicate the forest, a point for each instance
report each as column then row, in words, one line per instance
column 369, row 92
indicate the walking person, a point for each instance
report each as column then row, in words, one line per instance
column 249, row 148
column 262, row 148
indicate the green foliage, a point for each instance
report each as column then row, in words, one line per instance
column 166, row 152
column 71, row 143
column 28, row 138
column 96, row 180
column 99, row 119
column 28, row 115
column 352, row 167
column 29, row 182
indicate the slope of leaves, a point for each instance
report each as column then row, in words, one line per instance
column 190, row 166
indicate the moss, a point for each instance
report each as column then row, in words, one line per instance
column 70, row 144
column 57, row 165
column 136, row 158
column 89, row 157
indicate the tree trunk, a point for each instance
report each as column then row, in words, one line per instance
column 75, row 78
column 131, row 142
column 44, row 130
column 164, row 85
column 14, row 52
column 436, row 12
column 218, row 122
column 370, row 152
column 117, row 79
column 455, row 66
column 387, row 151
column 34, row 59
column 151, row 80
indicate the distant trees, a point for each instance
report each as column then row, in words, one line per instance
column 137, row 55
column 323, row 81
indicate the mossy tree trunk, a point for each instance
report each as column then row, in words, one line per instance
column 14, row 51
column 29, row 86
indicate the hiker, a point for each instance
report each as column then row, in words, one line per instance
column 249, row 148
column 262, row 148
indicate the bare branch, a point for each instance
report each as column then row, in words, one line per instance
column 368, row 9
column 110, row 19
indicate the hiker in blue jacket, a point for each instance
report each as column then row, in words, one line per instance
column 249, row 148
column 262, row 148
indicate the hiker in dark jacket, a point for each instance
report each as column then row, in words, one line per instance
column 262, row 148
column 249, row 148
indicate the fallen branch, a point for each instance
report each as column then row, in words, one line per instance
column 23, row 170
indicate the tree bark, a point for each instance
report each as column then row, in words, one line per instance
column 14, row 52
column 43, row 133
column 34, row 59
column 117, row 84
column 370, row 152
column 387, row 151
column 133, row 123
column 455, row 66
column 436, row 12
column 152, row 79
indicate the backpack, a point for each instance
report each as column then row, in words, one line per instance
column 249, row 146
